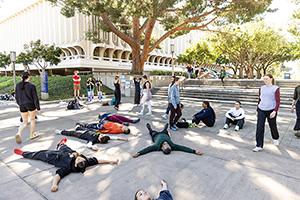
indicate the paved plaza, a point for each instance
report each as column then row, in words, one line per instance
column 227, row 170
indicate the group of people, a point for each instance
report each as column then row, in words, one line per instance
column 69, row 161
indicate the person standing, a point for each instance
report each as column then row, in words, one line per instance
column 174, row 103
column 117, row 84
column 165, row 116
column 28, row 101
column 98, row 87
column 137, row 94
column 296, row 105
column 147, row 96
column 269, row 102
column 222, row 75
column 235, row 116
column 76, row 82
column 90, row 89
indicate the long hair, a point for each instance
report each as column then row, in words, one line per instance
column 174, row 81
column 271, row 76
column 25, row 75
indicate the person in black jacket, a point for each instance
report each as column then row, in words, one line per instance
column 137, row 94
column 28, row 101
column 206, row 115
column 67, row 160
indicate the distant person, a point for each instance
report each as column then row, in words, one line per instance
column 162, row 142
column 207, row 115
column 98, row 88
column 268, row 105
column 189, row 71
column 90, row 89
column 117, row 93
column 76, row 82
column 174, row 103
column 235, row 116
column 28, row 101
column 164, row 193
column 137, row 86
column 67, row 160
column 296, row 105
column 222, row 75
column 147, row 96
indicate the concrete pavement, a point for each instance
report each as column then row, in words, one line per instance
column 228, row 170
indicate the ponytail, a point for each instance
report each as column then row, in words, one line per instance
column 174, row 80
column 25, row 76
column 271, row 76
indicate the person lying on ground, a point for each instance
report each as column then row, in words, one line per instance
column 117, row 118
column 67, row 160
column 162, row 142
column 92, row 137
column 206, row 115
column 164, row 193
column 106, row 127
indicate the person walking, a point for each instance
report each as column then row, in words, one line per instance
column 76, row 82
column 28, row 101
column 269, row 102
column 117, row 84
column 296, row 105
column 222, row 75
column 165, row 116
column 137, row 94
column 147, row 96
column 174, row 103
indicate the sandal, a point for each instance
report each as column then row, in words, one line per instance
column 18, row 139
column 34, row 136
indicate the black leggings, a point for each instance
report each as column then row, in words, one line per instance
column 175, row 114
column 297, row 125
column 118, row 98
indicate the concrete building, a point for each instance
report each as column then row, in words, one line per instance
column 43, row 21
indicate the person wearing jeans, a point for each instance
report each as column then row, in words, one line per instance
column 164, row 194
column 235, row 116
column 269, row 102
column 174, row 103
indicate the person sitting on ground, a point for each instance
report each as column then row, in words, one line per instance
column 67, row 160
column 91, row 136
column 164, row 193
column 235, row 116
column 106, row 127
column 117, row 118
column 207, row 115
column 162, row 141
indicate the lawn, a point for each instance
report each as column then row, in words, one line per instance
column 59, row 87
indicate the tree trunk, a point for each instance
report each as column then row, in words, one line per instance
column 137, row 62
column 250, row 73
column 5, row 71
column 44, row 85
column 241, row 72
column 265, row 71
column 258, row 73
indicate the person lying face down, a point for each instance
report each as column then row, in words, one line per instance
column 107, row 127
column 164, row 194
column 67, row 160
column 163, row 142
column 91, row 136
column 117, row 118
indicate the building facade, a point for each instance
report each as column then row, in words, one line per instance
column 43, row 21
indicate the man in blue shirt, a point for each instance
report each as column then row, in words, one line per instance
column 163, row 195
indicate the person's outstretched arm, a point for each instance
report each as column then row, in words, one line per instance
column 146, row 150
column 164, row 193
column 112, row 162
column 176, row 147
column 118, row 138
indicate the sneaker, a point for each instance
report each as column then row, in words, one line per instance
column 297, row 134
column 141, row 113
column 226, row 126
column 257, row 149
column 136, row 120
column 61, row 142
column 237, row 128
column 125, row 123
column 276, row 142
column 57, row 131
column 173, row 128
column 18, row 152
column 164, row 116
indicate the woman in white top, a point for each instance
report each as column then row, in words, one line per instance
column 235, row 116
column 147, row 96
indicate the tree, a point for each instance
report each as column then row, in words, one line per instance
column 25, row 59
column 134, row 21
column 40, row 55
column 4, row 61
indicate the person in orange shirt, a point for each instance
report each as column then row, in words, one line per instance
column 106, row 127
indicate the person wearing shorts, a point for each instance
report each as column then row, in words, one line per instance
column 76, row 81
column 28, row 101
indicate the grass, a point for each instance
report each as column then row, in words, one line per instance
column 59, row 87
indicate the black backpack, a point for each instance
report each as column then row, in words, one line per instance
column 74, row 105
column 182, row 124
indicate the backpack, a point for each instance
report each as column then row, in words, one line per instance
column 74, row 105
column 182, row 124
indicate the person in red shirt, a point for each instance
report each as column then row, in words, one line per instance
column 76, row 81
column 114, row 128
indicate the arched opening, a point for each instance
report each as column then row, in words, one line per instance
column 80, row 50
column 96, row 53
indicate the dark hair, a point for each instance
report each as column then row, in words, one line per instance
column 206, row 103
column 25, row 75
column 271, row 76
column 81, row 165
column 145, row 76
column 104, row 139
column 167, row 151
column 181, row 105
column 174, row 80
column 135, row 197
column 238, row 102
column 127, row 131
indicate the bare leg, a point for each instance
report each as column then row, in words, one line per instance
column 32, row 115
column 22, row 126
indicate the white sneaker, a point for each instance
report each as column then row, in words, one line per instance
column 276, row 142
column 226, row 126
column 141, row 113
column 164, row 116
column 57, row 131
column 237, row 128
column 257, row 149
